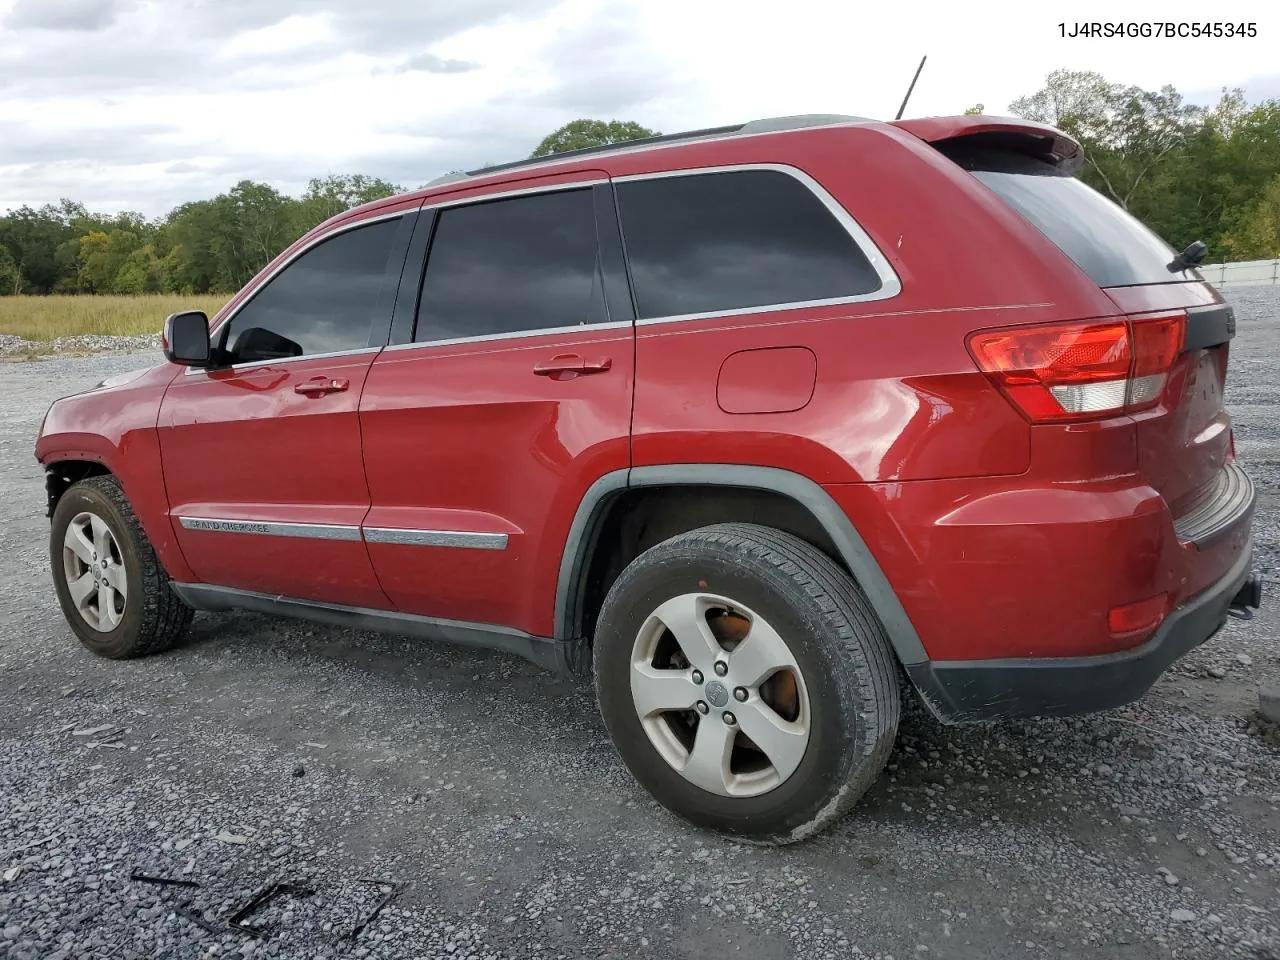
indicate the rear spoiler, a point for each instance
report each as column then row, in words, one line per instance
column 1000, row 133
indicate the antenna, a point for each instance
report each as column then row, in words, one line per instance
column 902, row 109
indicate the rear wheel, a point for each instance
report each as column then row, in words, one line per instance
column 113, row 591
column 746, row 681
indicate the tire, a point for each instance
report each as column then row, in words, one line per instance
column 840, row 689
column 150, row 618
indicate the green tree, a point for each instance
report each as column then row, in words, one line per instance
column 32, row 238
column 590, row 133
column 102, row 256
column 1072, row 100
column 1189, row 173
column 9, row 276
column 328, row 196
column 175, row 271
column 142, row 272
column 976, row 109
column 1126, row 132
column 253, row 223
column 190, row 230
column 1257, row 236
column 66, row 260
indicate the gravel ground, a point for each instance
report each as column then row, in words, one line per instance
column 341, row 763
column 14, row 346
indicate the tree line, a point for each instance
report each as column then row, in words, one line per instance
column 208, row 246
column 201, row 247
column 1189, row 172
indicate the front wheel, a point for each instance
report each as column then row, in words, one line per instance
column 113, row 591
column 746, row 681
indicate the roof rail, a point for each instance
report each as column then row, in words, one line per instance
column 606, row 147
column 799, row 122
column 769, row 125
column 447, row 178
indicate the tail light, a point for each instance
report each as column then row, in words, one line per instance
column 1080, row 371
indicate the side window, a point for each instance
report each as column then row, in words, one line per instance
column 507, row 266
column 715, row 242
column 325, row 301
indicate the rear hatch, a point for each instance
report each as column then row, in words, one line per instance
column 1184, row 439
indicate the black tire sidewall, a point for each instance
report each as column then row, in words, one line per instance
column 84, row 498
column 834, row 727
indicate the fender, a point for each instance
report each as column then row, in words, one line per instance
column 114, row 425
column 853, row 549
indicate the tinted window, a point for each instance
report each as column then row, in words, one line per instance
column 528, row 263
column 727, row 241
column 323, row 302
column 1108, row 244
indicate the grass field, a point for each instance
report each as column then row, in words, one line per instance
column 47, row 318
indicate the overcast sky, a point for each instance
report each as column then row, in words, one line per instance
column 144, row 104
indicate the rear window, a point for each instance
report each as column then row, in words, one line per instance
column 1107, row 243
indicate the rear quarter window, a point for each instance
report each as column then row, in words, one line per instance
column 720, row 242
column 1109, row 244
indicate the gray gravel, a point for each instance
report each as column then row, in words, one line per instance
column 13, row 346
column 265, row 751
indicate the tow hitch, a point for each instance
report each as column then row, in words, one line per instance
column 1247, row 599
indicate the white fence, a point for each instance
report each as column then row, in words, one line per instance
column 1248, row 273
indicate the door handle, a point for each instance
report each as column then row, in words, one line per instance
column 320, row 386
column 569, row 365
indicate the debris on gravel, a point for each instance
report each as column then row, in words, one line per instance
column 482, row 796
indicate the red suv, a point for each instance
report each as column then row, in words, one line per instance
column 753, row 423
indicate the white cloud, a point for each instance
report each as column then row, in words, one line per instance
column 292, row 34
column 62, row 14
column 146, row 103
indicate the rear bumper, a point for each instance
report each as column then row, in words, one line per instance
column 959, row 691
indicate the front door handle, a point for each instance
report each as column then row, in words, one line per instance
column 566, row 366
column 319, row 386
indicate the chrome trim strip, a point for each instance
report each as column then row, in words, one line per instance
column 748, row 311
column 436, row 538
column 549, row 331
column 890, row 284
column 310, row 531
column 310, row 356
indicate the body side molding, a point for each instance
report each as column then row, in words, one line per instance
column 436, row 538
column 412, row 537
column 272, row 528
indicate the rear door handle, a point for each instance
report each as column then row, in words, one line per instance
column 569, row 365
column 319, row 386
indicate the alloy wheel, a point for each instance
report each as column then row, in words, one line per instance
column 94, row 571
column 720, row 695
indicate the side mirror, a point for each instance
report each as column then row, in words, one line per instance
column 186, row 339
